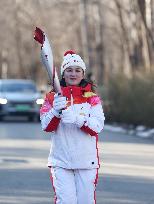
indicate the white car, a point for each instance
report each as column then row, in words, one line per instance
column 19, row 97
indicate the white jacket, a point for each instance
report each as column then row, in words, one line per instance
column 74, row 146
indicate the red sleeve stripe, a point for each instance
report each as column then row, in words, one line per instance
column 88, row 130
column 52, row 126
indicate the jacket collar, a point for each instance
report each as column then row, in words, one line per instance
column 76, row 91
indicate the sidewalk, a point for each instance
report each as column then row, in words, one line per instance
column 139, row 131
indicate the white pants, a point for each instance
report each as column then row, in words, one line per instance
column 74, row 186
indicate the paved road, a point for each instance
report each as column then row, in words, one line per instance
column 126, row 175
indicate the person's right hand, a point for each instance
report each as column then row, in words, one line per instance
column 59, row 102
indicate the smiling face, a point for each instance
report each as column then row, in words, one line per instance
column 73, row 75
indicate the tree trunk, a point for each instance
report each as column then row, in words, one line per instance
column 152, row 29
column 127, row 69
column 101, row 74
column 147, row 35
column 84, row 32
column 18, row 41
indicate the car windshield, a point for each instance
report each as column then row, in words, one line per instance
column 18, row 87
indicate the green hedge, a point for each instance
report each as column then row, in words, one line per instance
column 130, row 100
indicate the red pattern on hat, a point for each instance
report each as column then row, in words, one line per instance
column 69, row 52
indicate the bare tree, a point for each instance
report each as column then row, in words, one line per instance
column 113, row 36
column 152, row 17
column 147, row 35
column 127, row 68
column 99, row 44
column 84, row 31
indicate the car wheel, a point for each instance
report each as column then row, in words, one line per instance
column 31, row 118
column 34, row 118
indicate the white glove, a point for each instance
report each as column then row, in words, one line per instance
column 68, row 116
column 59, row 103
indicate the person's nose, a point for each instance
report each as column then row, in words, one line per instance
column 73, row 73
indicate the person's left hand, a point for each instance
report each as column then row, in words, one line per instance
column 68, row 116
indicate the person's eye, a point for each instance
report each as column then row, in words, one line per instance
column 78, row 70
column 69, row 70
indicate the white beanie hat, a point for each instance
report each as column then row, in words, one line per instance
column 72, row 59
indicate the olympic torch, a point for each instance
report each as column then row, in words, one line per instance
column 47, row 59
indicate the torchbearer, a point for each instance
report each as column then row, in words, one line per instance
column 73, row 159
